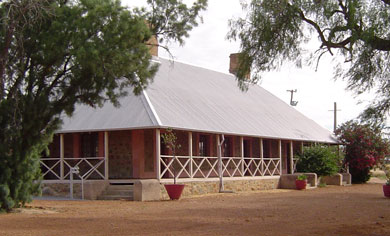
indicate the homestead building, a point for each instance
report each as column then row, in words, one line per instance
column 123, row 146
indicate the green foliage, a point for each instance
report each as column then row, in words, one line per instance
column 321, row 160
column 275, row 31
column 169, row 138
column 364, row 148
column 54, row 54
column 172, row 19
column 302, row 177
column 321, row 185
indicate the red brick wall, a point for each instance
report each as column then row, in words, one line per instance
column 237, row 146
column 256, row 147
column 182, row 139
column 68, row 145
column 120, row 155
column 54, row 147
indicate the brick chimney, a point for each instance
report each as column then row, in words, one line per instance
column 234, row 62
column 153, row 45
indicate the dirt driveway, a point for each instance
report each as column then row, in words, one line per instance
column 354, row 210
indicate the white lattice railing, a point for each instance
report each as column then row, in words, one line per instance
column 272, row 166
column 51, row 167
column 295, row 161
column 206, row 167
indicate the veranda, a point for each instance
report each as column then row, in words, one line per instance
column 125, row 155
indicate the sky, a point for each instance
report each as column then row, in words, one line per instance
column 317, row 90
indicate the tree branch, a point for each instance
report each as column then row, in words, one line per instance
column 387, row 2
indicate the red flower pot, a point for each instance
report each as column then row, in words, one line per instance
column 386, row 190
column 300, row 184
column 174, row 190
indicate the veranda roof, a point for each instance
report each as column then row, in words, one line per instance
column 188, row 97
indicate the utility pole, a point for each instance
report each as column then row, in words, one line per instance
column 335, row 116
column 292, row 91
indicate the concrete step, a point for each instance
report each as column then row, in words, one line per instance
column 121, row 187
column 115, row 197
column 126, row 192
column 117, row 192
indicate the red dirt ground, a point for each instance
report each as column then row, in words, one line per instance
column 353, row 210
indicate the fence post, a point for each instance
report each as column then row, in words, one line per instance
column 242, row 155
column 190, row 152
column 73, row 170
column 158, row 154
column 291, row 157
column 262, row 157
column 106, row 169
column 280, row 157
column 62, row 154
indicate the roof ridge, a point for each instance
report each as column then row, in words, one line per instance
column 150, row 109
column 195, row 65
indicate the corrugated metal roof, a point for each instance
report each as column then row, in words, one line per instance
column 193, row 98
column 133, row 113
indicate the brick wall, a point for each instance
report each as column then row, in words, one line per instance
column 68, row 145
column 120, row 155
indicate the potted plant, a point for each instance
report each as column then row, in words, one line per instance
column 386, row 186
column 301, row 182
column 174, row 190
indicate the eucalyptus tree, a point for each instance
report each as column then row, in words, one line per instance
column 358, row 31
column 57, row 53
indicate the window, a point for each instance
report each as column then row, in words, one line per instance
column 204, row 146
column 89, row 145
column 228, row 147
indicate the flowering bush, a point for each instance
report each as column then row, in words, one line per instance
column 364, row 148
column 386, row 169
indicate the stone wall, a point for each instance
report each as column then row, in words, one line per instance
column 92, row 189
column 61, row 190
column 206, row 187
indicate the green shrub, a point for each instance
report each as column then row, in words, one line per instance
column 302, row 177
column 321, row 160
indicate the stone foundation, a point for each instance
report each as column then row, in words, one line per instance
column 61, row 190
column 92, row 189
column 193, row 188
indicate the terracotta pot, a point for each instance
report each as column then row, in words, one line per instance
column 386, row 190
column 300, row 184
column 174, row 190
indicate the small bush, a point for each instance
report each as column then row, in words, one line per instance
column 321, row 160
column 302, row 177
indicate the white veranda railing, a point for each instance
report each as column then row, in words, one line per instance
column 207, row 167
column 89, row 167
column 295, row 161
